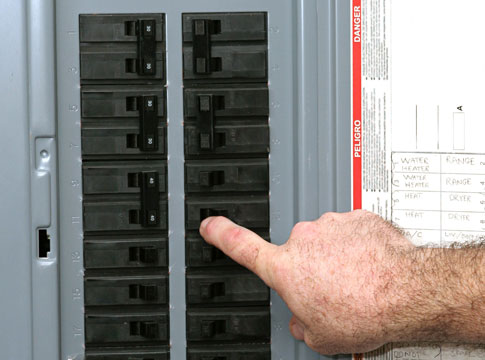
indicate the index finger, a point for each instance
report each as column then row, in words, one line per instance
column 242, row 245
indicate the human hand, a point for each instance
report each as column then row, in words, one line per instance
column 342, row 276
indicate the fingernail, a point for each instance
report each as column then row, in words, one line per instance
column 204, row 223
column 298, row 332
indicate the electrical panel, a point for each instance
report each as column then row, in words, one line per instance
column 127, row 124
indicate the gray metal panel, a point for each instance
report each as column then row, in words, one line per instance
column 306, row 160
column 323, row 166
column 42, row 114
column 294, row 182
column 323, row 123
column 316, row 116
column 15, row 218
column 176, row 191
column 342, row 150
column 281, row 33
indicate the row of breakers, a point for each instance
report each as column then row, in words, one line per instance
column 124, row 137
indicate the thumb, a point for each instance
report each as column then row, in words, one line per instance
column 242, row 245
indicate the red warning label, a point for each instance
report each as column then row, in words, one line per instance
column 357, row 104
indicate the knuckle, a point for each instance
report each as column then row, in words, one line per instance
column 233, row 235
column 303, row 227
column 329, row 217
column 318, row 342
column 363, row 213
column 310, row 340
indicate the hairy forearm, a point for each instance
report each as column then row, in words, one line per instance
column 445, row 298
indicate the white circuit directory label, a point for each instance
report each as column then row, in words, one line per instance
column 418, row 125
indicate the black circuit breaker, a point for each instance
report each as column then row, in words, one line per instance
column 123, row 107
column 226, row 112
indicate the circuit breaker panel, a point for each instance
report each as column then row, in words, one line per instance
column 226, row 137
column 226, row 142
column 123, row 108
column 127, row 123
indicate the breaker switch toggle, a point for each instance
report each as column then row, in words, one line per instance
column 202, row 30
column 143, row 292
column 212, row 290
column 147, row 255
column 146, row 329
column 211, row 178
column 210, row 328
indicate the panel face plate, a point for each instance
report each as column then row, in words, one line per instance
column 278, row 76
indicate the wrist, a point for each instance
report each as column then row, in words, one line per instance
column 416, row 309
column 441, row 296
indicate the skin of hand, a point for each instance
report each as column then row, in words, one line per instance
column 355, row 283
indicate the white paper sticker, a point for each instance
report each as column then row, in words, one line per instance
column 418, row 124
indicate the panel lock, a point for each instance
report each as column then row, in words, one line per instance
column 147, row 47
column 202, row 31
